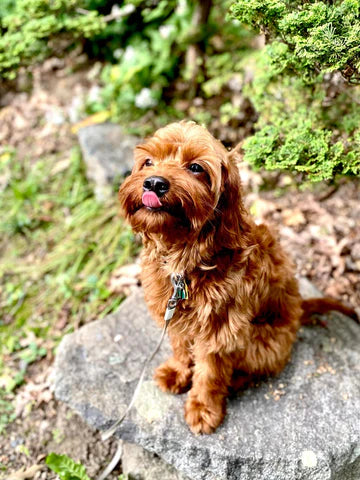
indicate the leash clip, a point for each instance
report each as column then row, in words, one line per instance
column 180, row 293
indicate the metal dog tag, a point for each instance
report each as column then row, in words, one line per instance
column 180, row 287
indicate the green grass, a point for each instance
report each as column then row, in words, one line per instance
column 58, row 249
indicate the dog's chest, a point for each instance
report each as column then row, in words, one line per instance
column 158, row 290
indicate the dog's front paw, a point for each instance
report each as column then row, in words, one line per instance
column 173, row 377
column 203, row 418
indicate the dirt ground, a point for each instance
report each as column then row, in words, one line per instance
column 319, row 227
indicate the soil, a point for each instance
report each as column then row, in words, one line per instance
column 320, row 228
column 53, row 427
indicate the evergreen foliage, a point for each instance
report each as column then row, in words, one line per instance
column 319, row 36
column 31, row 29
column 309, row 112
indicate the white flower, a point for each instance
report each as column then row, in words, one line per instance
column 94, row 93
column 144, row 99
column 118, row 52
column 181, row 8
column 124, row 11
column 165, row 30
column 235, row 83
column 129, row 53
column 127, row 9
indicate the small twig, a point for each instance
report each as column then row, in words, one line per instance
column 333, row 189
column 115, row 14
column 24, row 474
column 82, row 11
column 329, row 192
column 194, row 52
column 115, row 460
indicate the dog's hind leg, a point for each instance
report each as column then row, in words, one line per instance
column 240, row 380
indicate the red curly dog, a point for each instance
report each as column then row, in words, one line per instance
column 184, row 196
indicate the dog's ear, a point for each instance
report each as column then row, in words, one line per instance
column 232, row 218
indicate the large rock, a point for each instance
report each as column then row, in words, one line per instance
column 139, row 464
column 108, row 155
column 304, row 424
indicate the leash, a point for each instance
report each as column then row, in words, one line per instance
column 180, row 293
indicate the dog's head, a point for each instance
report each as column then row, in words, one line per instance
column 183, row 181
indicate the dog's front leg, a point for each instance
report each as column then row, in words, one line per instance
column 206, row 404
column 175, row 374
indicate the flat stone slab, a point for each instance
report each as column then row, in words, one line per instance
column 303, row 424
column 139, row 464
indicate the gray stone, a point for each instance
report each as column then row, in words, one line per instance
column 307, row 289
column 108, row 155
column 303, row 424
column 139, row 464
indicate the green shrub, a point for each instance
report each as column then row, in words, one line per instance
column 309, row 113
column 6, row 7
column 33, row 29
column 316, row 36
column 145, row 43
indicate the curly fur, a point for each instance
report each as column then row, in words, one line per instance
column 244, row 308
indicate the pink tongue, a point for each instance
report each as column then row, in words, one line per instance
column 150, row 199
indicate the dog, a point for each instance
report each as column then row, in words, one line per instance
column 244, row 308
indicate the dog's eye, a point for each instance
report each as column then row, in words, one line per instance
column 196, row 168
column 148, row 162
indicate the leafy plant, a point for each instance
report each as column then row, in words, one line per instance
column 32, row 29
column 148, row 60
column 7, row 412
column 6, row 7
column 308, row 111
column 66, row 468
column 150, row 71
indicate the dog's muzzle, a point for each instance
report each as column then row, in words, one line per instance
column 153, row 188
column 159, row 185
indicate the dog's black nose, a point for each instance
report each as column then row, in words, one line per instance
column 159, row 185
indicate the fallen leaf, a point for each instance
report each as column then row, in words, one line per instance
column 99, row 117
column 61, row 166
column 125, row 278
column 261, row 208
column 23, row 474
column 293, row 217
